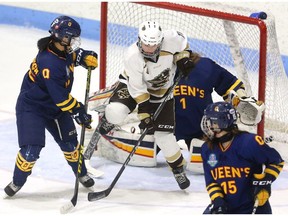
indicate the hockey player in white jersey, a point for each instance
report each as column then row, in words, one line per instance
column 149, row 69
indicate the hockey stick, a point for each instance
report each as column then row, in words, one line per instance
column 66, row 208
column 256, row 203
column 93, row 196
column 92, row 143
column 96, row 134
column 89, row 152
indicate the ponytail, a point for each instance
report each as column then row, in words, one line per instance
column 43, row 43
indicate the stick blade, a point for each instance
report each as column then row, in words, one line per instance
column 66, row 208
column 94, row 172
column 93, row 196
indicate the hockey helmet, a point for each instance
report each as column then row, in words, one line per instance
column 217, row 117
column 67, row 31
column 150, row 34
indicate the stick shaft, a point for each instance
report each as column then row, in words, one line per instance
column 92, row 196
column 82, row 137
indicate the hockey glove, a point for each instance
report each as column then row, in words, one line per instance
column 250, row 110
column 184, row 63
column 147, row 123
column 219, row 206
column 145, row 116
column 86, row 59
column 81, row 116
column 262, row 187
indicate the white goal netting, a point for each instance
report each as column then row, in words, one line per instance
column 230, row 41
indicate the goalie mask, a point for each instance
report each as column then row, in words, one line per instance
column 67, row 31
column 217, row 117
column 150, row 40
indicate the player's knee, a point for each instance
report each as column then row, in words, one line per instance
column 70, row 151
column 116, row 112
column 68, row 146
column 27, row 156
column 30, row 152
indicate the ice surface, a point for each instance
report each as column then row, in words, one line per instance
column 139, row 191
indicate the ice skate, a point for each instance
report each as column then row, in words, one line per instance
column 181, row 177
column 11, row 189
column 86, row 181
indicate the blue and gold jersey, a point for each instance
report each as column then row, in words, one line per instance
column 192, row 95
column 231, row 170
column 47, row 85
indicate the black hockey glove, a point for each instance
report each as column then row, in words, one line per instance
column 219, row 206
column 81, row 116
column 86, row 59
column 262, row 187
column 184, row 63
column 145, row 116
column 147, row 123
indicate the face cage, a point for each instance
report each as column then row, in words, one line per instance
column 207, row 127
column 74, row 44
column 153, row 55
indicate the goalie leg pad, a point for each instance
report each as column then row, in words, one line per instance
column 117, row 144
column 195, row 160
column 116, row 112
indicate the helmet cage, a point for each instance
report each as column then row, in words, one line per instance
column 74, row 44
column 217, row 117
column 206, row 128
column 153, row 55
column 150, row 34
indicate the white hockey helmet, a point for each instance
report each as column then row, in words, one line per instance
column 150, row 34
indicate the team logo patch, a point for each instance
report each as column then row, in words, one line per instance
column 161, row 79
column 123, row 93
column 212, row 160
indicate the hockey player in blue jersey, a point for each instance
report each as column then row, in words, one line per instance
column 233, row 161
column 45, row 101
column 194, row 93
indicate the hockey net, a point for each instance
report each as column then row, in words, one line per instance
column 246, row 46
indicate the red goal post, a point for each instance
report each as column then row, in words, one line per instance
column 232, row 39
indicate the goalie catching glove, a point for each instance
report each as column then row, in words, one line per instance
column 249, row 109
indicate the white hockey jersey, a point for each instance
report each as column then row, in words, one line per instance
column 148, row 80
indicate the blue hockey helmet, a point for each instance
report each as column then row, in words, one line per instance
column 217, row 117
column 67, row 31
